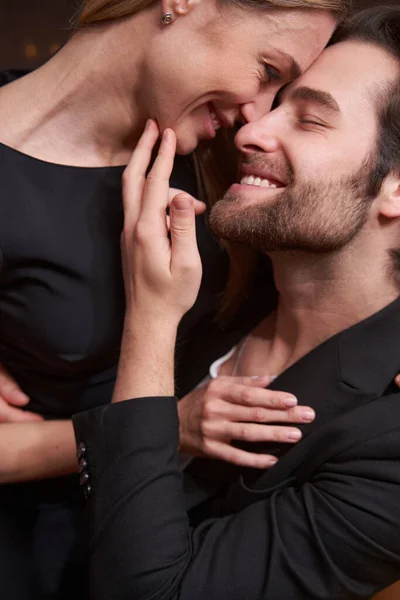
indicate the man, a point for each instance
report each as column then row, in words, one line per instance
column 320, row 193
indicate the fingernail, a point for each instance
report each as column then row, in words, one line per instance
column 308, row 414
column 255, row 377
column 290, row 401
column 181, row 203
column 273, row 460
column 294, row 435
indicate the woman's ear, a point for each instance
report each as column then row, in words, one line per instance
column 183, row 7
column 389, row 204
column 178, row 7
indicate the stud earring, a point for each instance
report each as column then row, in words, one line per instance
column 166, row 19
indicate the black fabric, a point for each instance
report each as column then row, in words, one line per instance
column 18, row 578
column 61, row 289
column 323, row 524
column 61, row 314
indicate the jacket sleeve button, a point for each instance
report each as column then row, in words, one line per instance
column 81, row 450
column 82, row 465
column 84, row 478
column 87, row 490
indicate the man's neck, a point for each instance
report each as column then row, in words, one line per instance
column 321, row 295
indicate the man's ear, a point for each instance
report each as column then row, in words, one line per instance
column 389, row 205
column 178, row 7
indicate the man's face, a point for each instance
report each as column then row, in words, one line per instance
column 305, row 166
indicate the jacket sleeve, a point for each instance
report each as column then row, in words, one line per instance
column 334, row 537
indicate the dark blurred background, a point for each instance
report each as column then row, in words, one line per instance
column 32, row 30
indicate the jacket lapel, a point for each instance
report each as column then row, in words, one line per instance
column 344, row 380
column 338, row 378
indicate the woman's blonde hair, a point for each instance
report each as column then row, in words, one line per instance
column 100, row 11
column 215, row 162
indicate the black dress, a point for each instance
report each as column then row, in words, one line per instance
column 61, row 315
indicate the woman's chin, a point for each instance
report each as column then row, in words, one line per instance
column 185, row 145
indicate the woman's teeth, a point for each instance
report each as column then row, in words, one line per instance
column 257, row 181
column 215, row 121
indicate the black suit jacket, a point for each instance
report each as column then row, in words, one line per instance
column 324, row 523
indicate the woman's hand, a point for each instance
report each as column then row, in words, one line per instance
column 11, row 399
column 162, row 269
column 238, row 408
column 162, row 266
column 199, row 206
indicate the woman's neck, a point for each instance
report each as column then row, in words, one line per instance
column 83, row 107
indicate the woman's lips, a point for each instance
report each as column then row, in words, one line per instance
column 213, row 123
column 216, row 122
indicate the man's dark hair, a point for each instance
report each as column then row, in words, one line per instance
column 380, row 26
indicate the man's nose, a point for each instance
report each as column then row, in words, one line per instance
column 258, row 136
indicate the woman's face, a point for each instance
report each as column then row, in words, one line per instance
column 212, row 67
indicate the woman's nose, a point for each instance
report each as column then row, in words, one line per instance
column 258, row 107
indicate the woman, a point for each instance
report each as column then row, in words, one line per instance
column 67, row 131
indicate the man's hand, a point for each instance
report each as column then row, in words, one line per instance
column 11, row 399
column 238, row 408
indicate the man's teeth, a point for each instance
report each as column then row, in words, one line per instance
column 257, row 181
column 215, row 121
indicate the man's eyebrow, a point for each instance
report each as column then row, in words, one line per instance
column 320, row 97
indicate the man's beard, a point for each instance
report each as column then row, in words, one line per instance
column 319, row 216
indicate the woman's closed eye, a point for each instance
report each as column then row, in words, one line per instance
column 272, row 73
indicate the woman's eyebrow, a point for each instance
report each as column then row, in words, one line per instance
column 294, row 67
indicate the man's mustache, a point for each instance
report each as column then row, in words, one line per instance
column 282, row 171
